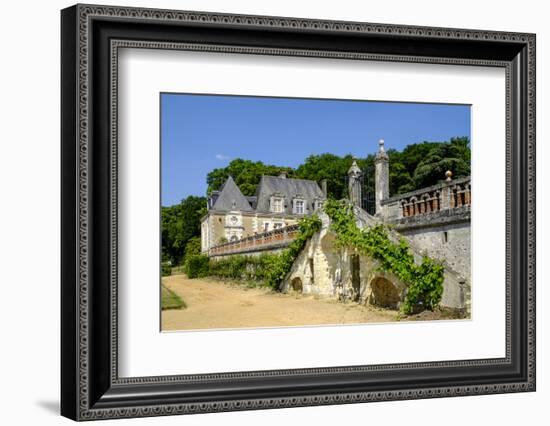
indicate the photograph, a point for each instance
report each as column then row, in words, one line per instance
column 292, row 212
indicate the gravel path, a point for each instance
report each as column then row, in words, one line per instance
column 213, row 304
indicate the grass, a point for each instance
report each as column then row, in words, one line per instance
column 170, row 300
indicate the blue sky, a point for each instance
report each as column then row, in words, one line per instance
column 203, row 132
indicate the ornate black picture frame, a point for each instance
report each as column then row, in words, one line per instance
column 91, row 387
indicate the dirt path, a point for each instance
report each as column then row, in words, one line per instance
column 215, row 304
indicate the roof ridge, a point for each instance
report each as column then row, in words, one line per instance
column 288, row 178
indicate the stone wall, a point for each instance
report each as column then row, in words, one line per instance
column 323, row 269
column 450, row 243
column 444, row 235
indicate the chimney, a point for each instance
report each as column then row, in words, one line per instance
column 282, row 175
column 324, row 187
column 212, row 198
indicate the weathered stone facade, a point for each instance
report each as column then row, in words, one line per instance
column 323, row 269
column 446, row 236
column 436, row 221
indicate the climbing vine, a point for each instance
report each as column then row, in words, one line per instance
column 279, row 266
column 424, row 280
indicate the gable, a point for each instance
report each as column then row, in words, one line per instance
column 231, row 198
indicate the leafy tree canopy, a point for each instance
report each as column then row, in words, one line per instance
column 180, row 226
column 330, row 167
column 246, row 174
column 424, row 164
column 417, row 166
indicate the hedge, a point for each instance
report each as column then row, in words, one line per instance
column 196, row 266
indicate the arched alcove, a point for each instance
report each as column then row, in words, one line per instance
column 385, row 293
column 296, row 284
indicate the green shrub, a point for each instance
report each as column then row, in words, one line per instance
column 424, row 281
column 268, row 269
column 245, row 268
column 196, row 266
column 193, row 247
column 166, row 269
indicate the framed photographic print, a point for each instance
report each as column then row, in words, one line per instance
column 263, row 212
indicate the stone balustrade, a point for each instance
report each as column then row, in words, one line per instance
column 277, row 238
column 449, row 194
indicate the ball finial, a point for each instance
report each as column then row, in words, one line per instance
column 381, row 145
column 449, row 175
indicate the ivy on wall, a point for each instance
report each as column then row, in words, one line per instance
column 282, row 263
column 424, row 280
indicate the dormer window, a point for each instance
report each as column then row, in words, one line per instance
column 277, row 204
column 299, row 206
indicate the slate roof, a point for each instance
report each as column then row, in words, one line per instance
column 289, row 188
column 231, row 198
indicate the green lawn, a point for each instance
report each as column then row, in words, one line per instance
column 171, row 300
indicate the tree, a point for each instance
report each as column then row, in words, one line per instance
column 330, row 167
column 424, row 164
column 417, row 166
column 179, row 224
column 453, row 156
column 245, row 173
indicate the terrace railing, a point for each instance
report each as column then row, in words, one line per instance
column 450, row 194
column 276, row 238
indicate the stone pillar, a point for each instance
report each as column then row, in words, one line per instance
column 381, row 177
column 324, row 187
column 354, row 184
column 447, row 192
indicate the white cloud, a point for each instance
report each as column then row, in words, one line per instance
column 221, row 157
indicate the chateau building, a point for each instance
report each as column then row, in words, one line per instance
column 278, row 202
